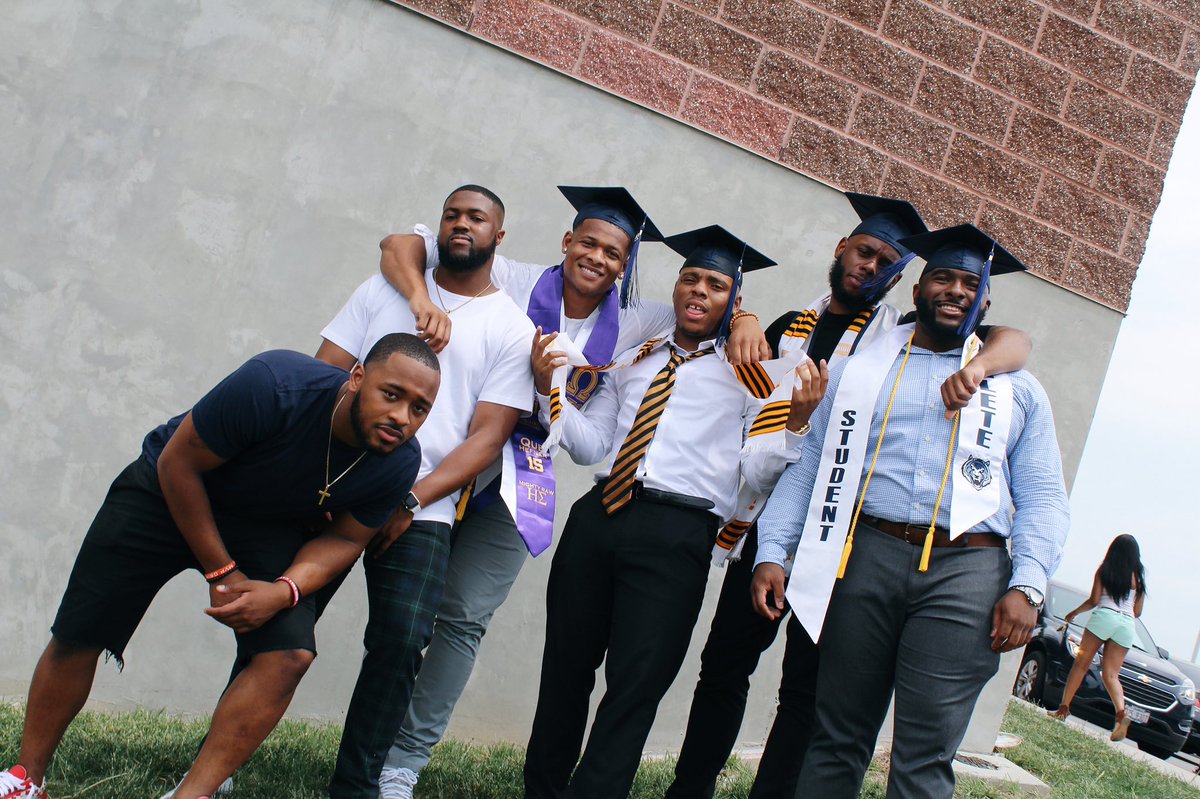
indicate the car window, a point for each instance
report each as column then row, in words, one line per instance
column 1064, row 600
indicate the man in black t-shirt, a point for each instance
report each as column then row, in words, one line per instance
column 867, row 264
column 270, row 487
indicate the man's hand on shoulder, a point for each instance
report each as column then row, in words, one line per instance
column 402, row 262
column 249, row 604
column 746, row 343
column 433, row 324
column 766, row 590
column 961, row 386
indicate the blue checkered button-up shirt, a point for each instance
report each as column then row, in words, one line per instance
column 1033, row 500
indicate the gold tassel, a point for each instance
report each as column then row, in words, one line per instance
column 845, row 555
column 925, row 552
column 461, row 509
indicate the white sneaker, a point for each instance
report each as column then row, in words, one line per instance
column 223, row 789
column 397, row 783
column 15, row 784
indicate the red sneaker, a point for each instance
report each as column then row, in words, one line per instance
column 15, row 784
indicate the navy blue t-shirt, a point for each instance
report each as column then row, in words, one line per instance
column 270, row 420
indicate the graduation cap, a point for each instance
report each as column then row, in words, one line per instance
column 890, row 221
column 615, row 205
column 715, row 248
column 968, row 249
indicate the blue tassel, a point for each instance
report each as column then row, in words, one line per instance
column 874, row 288
column 971, row 320
column 724, row 330
column 629, row 292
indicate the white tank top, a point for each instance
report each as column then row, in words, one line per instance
column 1126, row 607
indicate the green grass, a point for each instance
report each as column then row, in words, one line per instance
column 140, row 754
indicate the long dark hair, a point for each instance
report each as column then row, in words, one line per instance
column 1121, row 565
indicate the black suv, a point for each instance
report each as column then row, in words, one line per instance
column 1192, row 672
column 1154, row 688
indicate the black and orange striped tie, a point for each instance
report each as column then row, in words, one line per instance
column 618, row 491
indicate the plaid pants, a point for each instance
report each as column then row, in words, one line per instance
column 404, row 587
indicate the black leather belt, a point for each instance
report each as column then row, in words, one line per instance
column 915, row 534
column 661, row 497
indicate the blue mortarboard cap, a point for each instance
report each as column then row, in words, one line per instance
column 715, row 248
column 615, row 205
column 886, row 219
column 963, row 247
column 968, row 249
column 889, row 221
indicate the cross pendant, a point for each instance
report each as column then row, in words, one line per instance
column 323, row 495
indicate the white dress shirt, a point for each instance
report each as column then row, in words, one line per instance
column 698, row 443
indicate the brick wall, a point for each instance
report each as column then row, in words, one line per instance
column 1049, row 123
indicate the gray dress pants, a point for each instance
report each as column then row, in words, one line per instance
column 924, row 634
column 486, row 555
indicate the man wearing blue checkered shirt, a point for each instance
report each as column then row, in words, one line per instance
column 928, row 595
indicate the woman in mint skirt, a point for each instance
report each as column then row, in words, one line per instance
column 1118, row 592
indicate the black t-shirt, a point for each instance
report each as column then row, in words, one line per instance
column 822, row 341
column 270, row 420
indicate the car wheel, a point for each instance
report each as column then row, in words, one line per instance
column 1031, row 678
column 1162, row 752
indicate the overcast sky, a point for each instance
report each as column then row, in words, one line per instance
column 1140, row 466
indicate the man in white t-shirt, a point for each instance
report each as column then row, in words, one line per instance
column 581, row 299
column 487, row 385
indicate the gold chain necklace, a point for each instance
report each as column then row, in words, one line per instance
column 442, row 301
column 324, row 494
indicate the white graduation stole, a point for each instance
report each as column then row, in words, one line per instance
column 982, row 445
column 767, row 432
column 836, row 491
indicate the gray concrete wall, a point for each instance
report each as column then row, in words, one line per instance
column 184, row 184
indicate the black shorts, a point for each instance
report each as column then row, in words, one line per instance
column 133, row 548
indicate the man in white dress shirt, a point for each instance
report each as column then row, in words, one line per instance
column 628, row 577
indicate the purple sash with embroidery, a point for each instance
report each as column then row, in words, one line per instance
column 534, row 471
column 534, row 477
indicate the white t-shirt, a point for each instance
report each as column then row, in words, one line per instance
column 487, row 360
column 637, row 324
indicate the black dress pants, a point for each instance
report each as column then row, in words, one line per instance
column 736, row 640
column 624, row 590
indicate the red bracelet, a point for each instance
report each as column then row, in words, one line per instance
column 292, row 585
column 221, row 572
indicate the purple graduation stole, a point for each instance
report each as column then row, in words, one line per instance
column 545, row 309
column 534, row 470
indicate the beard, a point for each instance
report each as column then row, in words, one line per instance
column 837, row 287
column 472, row 260
column 941, row 332
column 360, row 427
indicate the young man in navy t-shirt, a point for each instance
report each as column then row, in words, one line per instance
column 270, row 487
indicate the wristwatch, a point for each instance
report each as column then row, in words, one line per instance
column 412, row 504
column 1036, row 598
column 802, row 432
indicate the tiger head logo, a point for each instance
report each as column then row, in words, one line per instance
column 978, row 472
